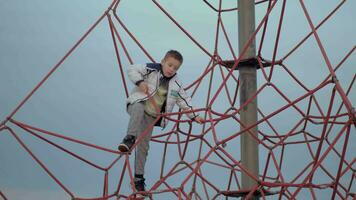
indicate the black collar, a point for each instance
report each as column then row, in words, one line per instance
column 165, row 77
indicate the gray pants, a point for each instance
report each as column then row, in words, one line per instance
column 139, row 122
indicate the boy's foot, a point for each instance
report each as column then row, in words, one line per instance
column 127, row 143
column 140, row 184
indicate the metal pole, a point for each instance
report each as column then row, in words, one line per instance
column 248, row 87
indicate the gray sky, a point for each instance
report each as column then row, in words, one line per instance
column 84, row 98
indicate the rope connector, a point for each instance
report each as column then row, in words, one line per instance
column 334, row 79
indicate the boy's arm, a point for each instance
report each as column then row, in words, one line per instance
column 136, row 73
column 184, row 103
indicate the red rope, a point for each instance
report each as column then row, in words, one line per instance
column 215, row 140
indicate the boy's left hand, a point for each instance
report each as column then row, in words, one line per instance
column 199, row 120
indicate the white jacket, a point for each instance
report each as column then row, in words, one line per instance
column 151, row 74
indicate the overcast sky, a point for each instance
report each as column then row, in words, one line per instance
column 85, row 98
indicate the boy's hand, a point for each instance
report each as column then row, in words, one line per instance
column 143, row 87
column 199, row 120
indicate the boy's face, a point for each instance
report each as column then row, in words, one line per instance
column 170, row 66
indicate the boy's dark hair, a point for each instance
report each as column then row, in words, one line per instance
column 175, row 54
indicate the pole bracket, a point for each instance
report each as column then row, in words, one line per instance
column 249, row 62
column 244, row 193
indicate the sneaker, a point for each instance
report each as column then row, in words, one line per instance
column 140, row 184
column 127, row 143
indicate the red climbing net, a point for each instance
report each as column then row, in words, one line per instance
column 204, row 160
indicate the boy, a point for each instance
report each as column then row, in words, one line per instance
column 158, row 90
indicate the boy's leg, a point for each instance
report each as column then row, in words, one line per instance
column 136, row 112
column 143, row 147
column 138, row 123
